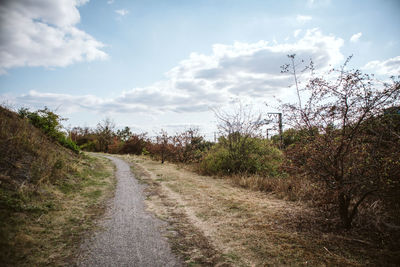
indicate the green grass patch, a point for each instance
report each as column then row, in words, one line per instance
column 93, row 195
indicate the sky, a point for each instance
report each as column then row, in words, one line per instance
column 169, row 63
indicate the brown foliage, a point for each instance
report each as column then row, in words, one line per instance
column 134, row 145
column 185, row 147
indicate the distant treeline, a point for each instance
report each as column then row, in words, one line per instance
column 184, row 147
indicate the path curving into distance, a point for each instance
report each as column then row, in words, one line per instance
column 130, row 236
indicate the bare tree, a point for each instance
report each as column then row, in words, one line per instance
column 242, row 121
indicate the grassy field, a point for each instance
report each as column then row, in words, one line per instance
column 44, row 225
column 215, row 222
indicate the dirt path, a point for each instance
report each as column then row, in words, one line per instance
column 130, row 236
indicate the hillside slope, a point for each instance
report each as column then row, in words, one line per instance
column 49, row 195
column 27, row 155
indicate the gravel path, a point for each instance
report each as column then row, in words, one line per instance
column 130, row 235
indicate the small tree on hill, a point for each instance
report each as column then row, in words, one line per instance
column 124, row 134
column 187, row 146
column 50, row 123
column 105, row 134
column 161, row 146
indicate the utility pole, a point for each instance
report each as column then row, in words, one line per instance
column 268, row 129
column 280, row 126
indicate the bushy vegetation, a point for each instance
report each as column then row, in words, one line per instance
column 135, row 144
column 242, row 149
column 104, row 138
column 292, row 136
column 184, row 147
column 244, row 155
column 50, row 123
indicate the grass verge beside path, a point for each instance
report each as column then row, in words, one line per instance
column 214, row 222
column 44, row 225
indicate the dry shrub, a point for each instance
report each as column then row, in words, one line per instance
column 378, row 222
column 134, row 145
column 185, row 147
column 115, row 146
column 351, row 143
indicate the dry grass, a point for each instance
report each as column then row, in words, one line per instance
column 43, row 225
column 289, row 188
column 248, row 228
column 186, row 239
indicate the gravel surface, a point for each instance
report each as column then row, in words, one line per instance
column 130, row 236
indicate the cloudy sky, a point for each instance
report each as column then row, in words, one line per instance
column 166, row 64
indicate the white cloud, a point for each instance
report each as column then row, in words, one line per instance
column 110, row 2
column 81, row 2
column 318, row 3
column 249, row 71
column 355, row 37
column 44, row 33
column 296, row 32
column 303, row 19
column 390, row 66
column 122, row 12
